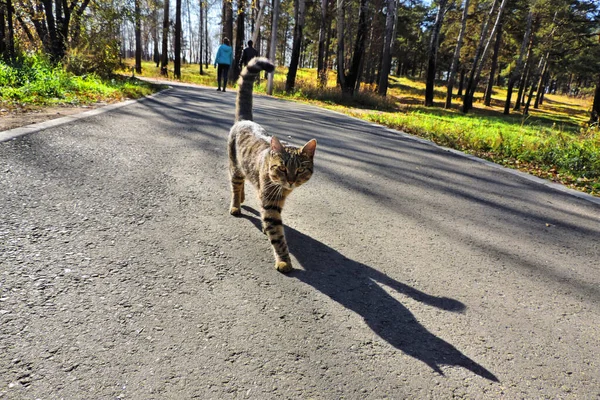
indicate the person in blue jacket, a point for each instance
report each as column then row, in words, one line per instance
column 223, row 61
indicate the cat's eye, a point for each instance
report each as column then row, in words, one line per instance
column 282, row 168
column 301, row 170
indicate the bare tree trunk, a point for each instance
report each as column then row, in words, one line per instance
column 386, row 58
column 165, row 40
column 495, row 29
column 207, row 55
column 299, row 11
column 479, row 62
column 227, row 20
column 517, row 71
column 258, row 22
column 239, row 37
column 461, row 82
column 352, row 80
column 595, row 114
column 524, row 77
column 341, row 70
column 155, row 34
column 456, row 57
column 138, row 38
column 321, row 66
column 433, row 49
column 177, row 63
column 273, row 45
column 201, row 35
column 490, row 86
column 539, row 98
column 3, row 38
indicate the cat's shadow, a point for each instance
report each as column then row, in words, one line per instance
column 357, row 287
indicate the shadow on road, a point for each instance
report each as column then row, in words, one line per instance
column 355, row 286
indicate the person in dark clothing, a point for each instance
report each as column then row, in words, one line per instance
column 248, row 54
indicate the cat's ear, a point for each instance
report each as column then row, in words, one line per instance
column 276, row 145
column 309, row 148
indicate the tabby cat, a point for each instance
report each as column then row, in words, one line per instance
column 273, row 168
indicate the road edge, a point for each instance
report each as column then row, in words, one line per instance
column 25, row 130
column 51, row 123
column 515, row 172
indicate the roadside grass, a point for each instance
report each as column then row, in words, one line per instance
column 33, row 81
column 552, row 142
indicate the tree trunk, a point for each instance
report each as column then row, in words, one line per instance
column 595, row 114
column 524, row 77
column 10, row 43
column 177, row 63
column 227, row 20
column 517, row 71
column 341, row 69
column 3, row 37
column 165, row 41
column 490, row 86
column 321, row 66
column 299, row 11
column 138, row 38
column 201, row 36
column 207, row 54
column 353, row 77
column 273, row 44
column 433, row 49
column 258, row 23
column 239, row 38
column 461, row 82
column 456, row 57
column 386, row 58
column 540, row 84
column 478, row 66
column 467, row 100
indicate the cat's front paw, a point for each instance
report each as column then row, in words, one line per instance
column 284, row 266
column 236, row 211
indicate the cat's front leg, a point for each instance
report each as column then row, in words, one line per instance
column 273, row 228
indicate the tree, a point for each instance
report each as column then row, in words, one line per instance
column 299, row 12
column 273, row 44
column 595, row 113
column 239, row 38
column 433, row 50
column 165, row 40
column 456, row 57
column 138, row 38
column 487, row 98
column 177, row 61
column 517, row 71
column 386, row 59
column 324, row 28
column 352, row 78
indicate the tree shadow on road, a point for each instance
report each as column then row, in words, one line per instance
column 356, row 287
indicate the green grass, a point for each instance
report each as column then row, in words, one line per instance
column 33, row 81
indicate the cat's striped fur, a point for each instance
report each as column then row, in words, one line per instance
column 273, row 168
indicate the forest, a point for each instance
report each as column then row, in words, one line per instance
column 511, row 54
column 531, row 47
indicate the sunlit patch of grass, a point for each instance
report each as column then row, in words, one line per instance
column 32, row 80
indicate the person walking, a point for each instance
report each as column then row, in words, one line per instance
column 248, row 54
column 223, row 61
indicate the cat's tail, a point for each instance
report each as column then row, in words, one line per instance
column 243, row 105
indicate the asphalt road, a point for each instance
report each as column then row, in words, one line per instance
column 419, row 273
